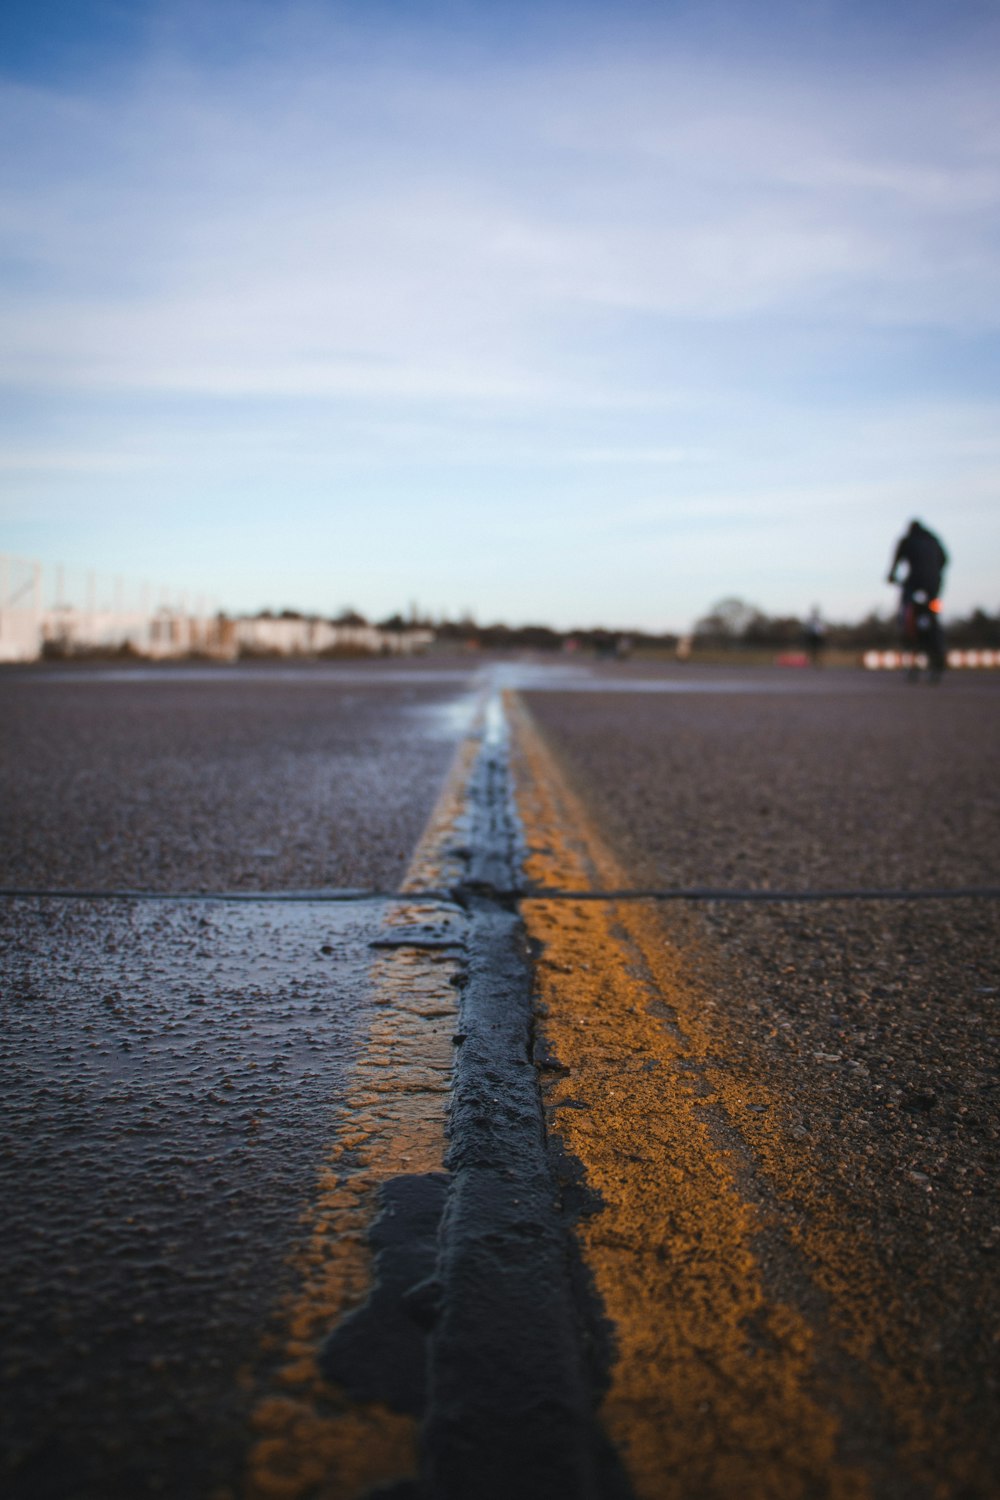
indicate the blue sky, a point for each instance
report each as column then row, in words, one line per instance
column 562, row 312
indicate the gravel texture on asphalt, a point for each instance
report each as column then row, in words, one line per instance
column 872, row 782
column 237, row 779
column 876, row 1026
column 168, row 1071
column 874, row 1022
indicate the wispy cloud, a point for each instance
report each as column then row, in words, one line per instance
column 413, row 234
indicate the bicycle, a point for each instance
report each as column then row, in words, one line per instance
column 922, row 632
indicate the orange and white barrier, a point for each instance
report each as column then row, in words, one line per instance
column 881, row 661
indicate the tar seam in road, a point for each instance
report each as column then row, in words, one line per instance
column 478, row 1353
column 511, row 1396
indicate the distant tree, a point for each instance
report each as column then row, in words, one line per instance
column 349, row 617
column 873, row 632
column 978, row 631
column 776, row 631
column 726, row 622
column 500, row 637
column 540, row 638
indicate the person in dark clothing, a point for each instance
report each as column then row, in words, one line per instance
column 919, row 605
column 925, row 560
column 814, row 636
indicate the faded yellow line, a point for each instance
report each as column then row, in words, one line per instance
column 605, row 973
column 310, row 1438
column 715, row 1390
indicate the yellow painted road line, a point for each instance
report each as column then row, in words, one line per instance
column 718, row 1386
column 755, row 1351
column 312, row 1439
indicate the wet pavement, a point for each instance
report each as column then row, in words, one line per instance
column 170, row 1068
column 167, row 1071
column 175, row 1070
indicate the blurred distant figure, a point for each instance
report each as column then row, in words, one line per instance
column 920, row 604
column 815, row 636
column 925, row 560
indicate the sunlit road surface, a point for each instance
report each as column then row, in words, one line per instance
column 629, row 1130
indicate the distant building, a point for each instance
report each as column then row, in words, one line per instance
column 106, row 623
column 305, row 635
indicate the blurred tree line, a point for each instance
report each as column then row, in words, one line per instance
column 733, row 623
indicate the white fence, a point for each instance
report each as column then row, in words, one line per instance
column 20, row 609
column 66, row 612
column 52, row 612
column 888, row 661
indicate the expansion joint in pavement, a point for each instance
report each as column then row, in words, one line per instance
column 444, row 1342
column 465, row 891
column 513, row 1385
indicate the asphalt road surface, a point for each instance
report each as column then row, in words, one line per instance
column 850, row 1043
column 286, row 1212
column 218, row 778
column 170, row 1067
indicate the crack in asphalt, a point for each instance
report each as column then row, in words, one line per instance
column 508, row 896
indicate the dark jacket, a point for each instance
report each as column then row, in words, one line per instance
column 925, row 560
